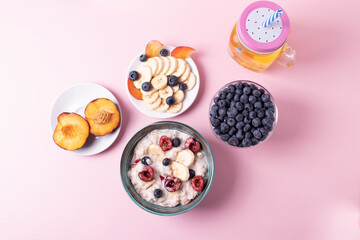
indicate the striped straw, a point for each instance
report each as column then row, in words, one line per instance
column 272, row 18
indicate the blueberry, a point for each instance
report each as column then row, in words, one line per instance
column 222, row 112
column 244, row 98
column 176, row 142
column 239, row 106
column 267, row 122
column 245, row 113
column 143, row 58
column 268, row 105
column 245, row 85
column 229, row 96
column 233, row 141
column 260, row 113
column 239, row 117
column 232, row 104
column 224, row 128
column 222, row 94
column 248, row 135
column 238, row 91
column 134, row 75
column 240, row 135
column 158, row 193
column 164, row 52
column 257, row 134
column 170, row 100
column 246, row 142
column 252, row 114
column 216, row 100
column 256, row 122
column 232, row 112
column 262, row 91
column 145, row 160
column 247, row 119
column 239, row 85
column 215, row 122
column 232, row 131
column 166, row 162
column 263, row 131
column 253, row 87
column 269, row 113
column 237, row 97
column 172, row 81
column 256, row 93
column 231, row 122
column 191, row 173
column 217, row 131
column 247, row 127
column 213, row 112
column 232, row 88
column 247, row 90
column 248, row 106
column 221, row 103
column 224, row 137
column 268, row 127
column 254, row 141
column 240, row 125
column 258, row 105
column 265, row 97
column 146, row 86
column 183, row 86
column 252, row 99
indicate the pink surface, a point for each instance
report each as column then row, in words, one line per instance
column 302, row 184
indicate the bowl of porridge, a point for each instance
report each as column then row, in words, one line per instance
column 167, row 168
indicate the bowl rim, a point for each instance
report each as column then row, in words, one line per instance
column 272, row 99
column 210, row 179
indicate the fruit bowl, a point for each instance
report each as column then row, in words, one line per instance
column 127, row 157
column 230, row 122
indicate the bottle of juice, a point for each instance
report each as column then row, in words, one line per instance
column 259, row 37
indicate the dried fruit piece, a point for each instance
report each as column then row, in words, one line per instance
column 153, row 48
column 102, row 116
column 198, row 183
column 165, row 143
column 136, row 93
column 192, row 144
column 172, row 184
column 71, row 131
column 182, row 52
column 137, row 160
column 147, row 174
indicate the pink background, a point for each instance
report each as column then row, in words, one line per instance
column 302, row 184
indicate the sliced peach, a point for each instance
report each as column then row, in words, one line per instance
column 71, row 131
column 103, row 116
column 182, row 52
column 153, row 48
column 136, row 93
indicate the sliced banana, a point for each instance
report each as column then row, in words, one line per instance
column 152, row 97
column 166, row 92
column 163, row 107
column 181, row 67
column 179, row 96
column 185, row 157
column 173, row 66
column 186, row 74
column 159, row 82
column 149, row 92
column 156, row 151
column 180, row 171
column 144, row 76
column 175, row 108
column 166, row 65
column 175, row 88
column 160, row 62
column 154, row 104
column 153, row 65
column 190, row 82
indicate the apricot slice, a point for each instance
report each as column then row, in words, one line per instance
column 71, row 131
column 153, row 48
column 102, row 116
column 136, row 93
column 182, row 52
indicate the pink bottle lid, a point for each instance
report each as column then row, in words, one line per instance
column 258, row 38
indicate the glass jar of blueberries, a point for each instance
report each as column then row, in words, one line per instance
column 243, row 113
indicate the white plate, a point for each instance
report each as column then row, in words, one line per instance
column 75, row 99
column 190, row 96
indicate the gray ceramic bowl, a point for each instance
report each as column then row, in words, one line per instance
column 127, row 157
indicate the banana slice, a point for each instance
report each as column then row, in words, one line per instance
column 173, row 66
column 190, row 82
column 185, row 157
column 175, row 88
column 160, row 62
column 147, row 185
column 154, row 104
column 166, row 65
column 152, row 97
column 186, row 74
column 159, row 82
column 153, row 65
column 175, row 108
column 149, row 92
column 180, row 171
column 181, row 67
column 179, row 96
column 166, row 92
column 156, row 151
column 145, row 76
column 163, row 106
